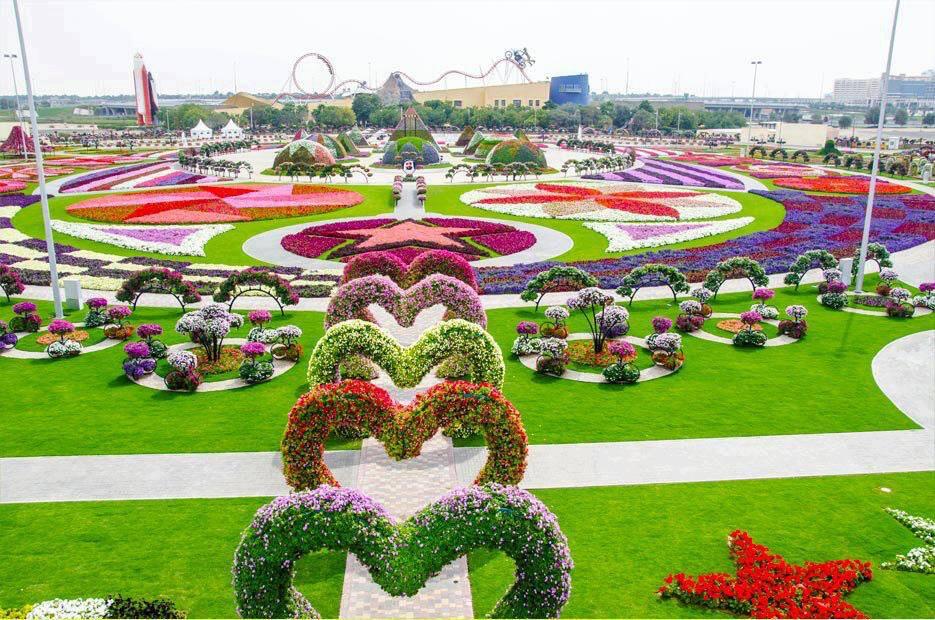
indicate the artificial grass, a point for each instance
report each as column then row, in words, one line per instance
column 180, row 549
column 625, row 540
column 822, row 384
column 225, row 248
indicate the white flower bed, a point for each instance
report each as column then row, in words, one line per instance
column 621, row 240
column 918, row 559
column 62, row 609
column 191, row 245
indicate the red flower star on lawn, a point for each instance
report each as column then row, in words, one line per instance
column 766, row 586
column 408, row 230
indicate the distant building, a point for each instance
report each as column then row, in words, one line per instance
column 901, row 89
column 201, row 131
column 147, row 104
column 232, row 131
column 558, row 90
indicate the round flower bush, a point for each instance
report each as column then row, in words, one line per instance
column 926, row 298
column 184, row 375
column 661, row 324
column 254, row 370
column 590, row 302
column 834, row 296
column 139, row 362
column 691, row 317
column 621, row 373
column 63, row 348
column 748, row 337
column 61, row 327
column 117, row 327
column 898, row 305
column 527, row 328
column 208, row 327
column 288, row 346
column 666, row 348
column 762, row 295
column 263, row 335
column 401, row 558
column 553, row 356
column 26, row 319
column 10, row 281
column 614, row 321
column 796, row 327
column 148, row 332
column 8, row 339
column 555, row 326
column 259, row 318
column 97, row 312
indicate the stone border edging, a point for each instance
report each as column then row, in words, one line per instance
column 778, row 341
column 648, row 374
column 919, row 310
column 155, row 382
column 20, row 354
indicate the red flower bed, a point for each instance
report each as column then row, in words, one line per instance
column 308, row 245
column 574, row 190
column 840, row 185
column 839, row 220
column 766, row 586
column 641, row 207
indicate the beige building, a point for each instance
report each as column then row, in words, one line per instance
column 793, row 134
column 532, row 95
column 235, row 105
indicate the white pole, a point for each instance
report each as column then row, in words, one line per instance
column 43, row 194
column 756, row 65
column 19, row 109
column 868, row 214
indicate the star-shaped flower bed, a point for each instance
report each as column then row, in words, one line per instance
column 609, row 202
column 766, row 586
column 473, row 239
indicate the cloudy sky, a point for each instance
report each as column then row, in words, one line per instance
column 703, row 47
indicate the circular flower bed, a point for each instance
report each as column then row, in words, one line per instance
column 612, row 202
column 216, row 203
column 735, row 326
column 407, row 239
column 840, row 185
column 77, row 335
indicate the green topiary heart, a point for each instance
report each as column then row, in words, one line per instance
column 361, row 406
column 407, row 366
column 401, row 558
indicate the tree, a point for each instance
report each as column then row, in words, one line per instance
column 928, row 119
column 364, row 105
column 646, row 105
column 845, row 121
column 791, row 116
column 872, row 115
column 901, row 116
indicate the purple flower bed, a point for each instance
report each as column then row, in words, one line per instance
column 657, row 171
column 100, row 174
column 173, row 178
column 900, row 222
column 19, row 200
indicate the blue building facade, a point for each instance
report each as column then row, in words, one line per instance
column 570, row 89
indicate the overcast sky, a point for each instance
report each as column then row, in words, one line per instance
column 703, row 47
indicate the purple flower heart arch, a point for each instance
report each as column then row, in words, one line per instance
column 350, row 301
column 402, row 557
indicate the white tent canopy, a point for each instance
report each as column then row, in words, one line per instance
column 201, row 130
column 232, row 131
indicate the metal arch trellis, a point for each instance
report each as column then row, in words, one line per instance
column 256, row 289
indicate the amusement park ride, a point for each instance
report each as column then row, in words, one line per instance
column 293, row 90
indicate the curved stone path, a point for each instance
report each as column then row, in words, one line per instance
column 155, row 382
column 919, row 311
column 778, row 341
column 646, row 374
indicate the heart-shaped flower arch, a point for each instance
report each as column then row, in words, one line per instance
column 401, row 558
column 406, row 366
column 359, row 405
column 350, row 301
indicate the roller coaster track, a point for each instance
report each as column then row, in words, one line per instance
column 481, row 76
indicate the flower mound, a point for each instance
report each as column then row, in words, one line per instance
column 365, row 408
column 215, row 203
column 408, row 239
column 668, row 172
column 401, row 558
column 351, row 300
column 840, row 185
column 407, row 366
column 766, row 586
column 176, row 240
column 607, row 202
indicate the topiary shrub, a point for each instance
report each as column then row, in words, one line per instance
column 832, row 158
column 422, row 266
column 806, row 261
column 778, row 153
column 800, row 154
column 10, row 281
column 476, row 139
column 557, row 279
column 158, row 280
column 516, row 151
column 465, row 137
column 304, row 152
column 256, row 280
column 738, row 266
column 877, row 253
column 659, row 274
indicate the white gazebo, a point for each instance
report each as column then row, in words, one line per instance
column 201, row 131
column 232, row 131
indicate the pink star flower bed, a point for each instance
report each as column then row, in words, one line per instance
column 7, row 186
column 406, row 239
column 215, row 203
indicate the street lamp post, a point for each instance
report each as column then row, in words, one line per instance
column 756, row 65
column 868, row 214
column 19, row 116
column 43, row 194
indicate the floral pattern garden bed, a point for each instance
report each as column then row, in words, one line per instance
column 667, row 172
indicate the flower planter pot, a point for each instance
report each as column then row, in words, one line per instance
column 670, row 361
column 554, row 332
column 290, row 352
column 116, row 332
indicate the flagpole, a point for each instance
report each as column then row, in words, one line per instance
column 43, row 194
column 868, row 214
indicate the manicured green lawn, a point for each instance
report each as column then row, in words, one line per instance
column 225, row 248
column 625, row 540
column 821, row 384
column 181, row 549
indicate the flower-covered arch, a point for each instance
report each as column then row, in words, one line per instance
column 158, row 280
column 669, row 276
column 559, row 278
column 806, row 261
column 256, row 280
column 363, row 407
column 407, row 366
column 746, row 267
column 877, row 253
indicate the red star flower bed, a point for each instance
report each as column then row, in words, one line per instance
column 766, row 586
column 407, row 239
column 11, row 186
column 215, row 203
column 840, row 185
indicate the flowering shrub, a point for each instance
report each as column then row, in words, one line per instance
column 661, row 324
column 26, row 319
column 876, row 252
column 115, row 607
column 10, row 281
column 658, row 274
column 63, row 348
column 591, row 302
column 918, row 559
column 748, row 336
column 253, row 369
column 443, row 262
column 60, row 327
column 736, row 267
column 665, row 346
column 556, row 279
column 139, row 362
column 805, row 261
column 691, row 317
column 288, row 346
column 834, row 298
column 898, row 303
column 97, row 313
column 158, row 280
column 263, row 335
column 927, row 297
column 554, row 326
column 208, row 327
column 364, row 408
column 766, row 586
column 148, row 332
column 401, row 558
column 553, row 356
column 8, row 339
column 259, row 318
column 621, row 372
column 762, row 295
column 525, row 345
column 184, row 374
column 376, row 263
column 527, row 328
column 257, row 280
column 407, row 366
column 351, row 300
column 796, row 327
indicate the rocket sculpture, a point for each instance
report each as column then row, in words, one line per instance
column 146, row 102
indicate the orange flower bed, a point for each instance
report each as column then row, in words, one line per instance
column 840, row 185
